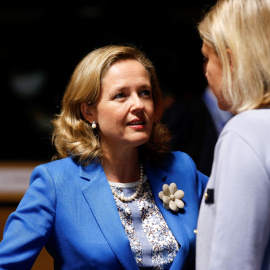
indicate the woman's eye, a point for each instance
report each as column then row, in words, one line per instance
column 205, row 59
column 119, row 95
column 146, row 93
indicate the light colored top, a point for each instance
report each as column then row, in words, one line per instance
column 234, row 230
column 152, row 242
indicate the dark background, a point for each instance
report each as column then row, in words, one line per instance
column 41, row 42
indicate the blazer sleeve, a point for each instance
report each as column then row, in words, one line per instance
column 27, row 229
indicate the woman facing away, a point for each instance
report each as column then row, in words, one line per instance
column 234, row 219
column 115, row 198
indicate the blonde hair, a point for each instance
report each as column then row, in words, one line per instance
column 243, row 26
column 72, row 135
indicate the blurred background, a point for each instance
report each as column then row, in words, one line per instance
column 42, row 41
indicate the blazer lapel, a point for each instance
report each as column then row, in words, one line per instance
column 101, row 202
column 176, row 221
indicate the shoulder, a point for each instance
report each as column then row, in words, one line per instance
column 175, row 161
column 60, row 164
column 251, row 126
column 180, row 167
column 250, row 120
column 180, row 164
column 61, row 167
column 245, row 138
column 178, row 159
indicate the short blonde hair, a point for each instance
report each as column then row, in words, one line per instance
column 243, row 26
column 72, row 135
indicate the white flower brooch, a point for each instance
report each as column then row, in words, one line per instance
column 171, row 197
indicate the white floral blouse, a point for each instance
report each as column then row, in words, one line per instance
column 152, row 243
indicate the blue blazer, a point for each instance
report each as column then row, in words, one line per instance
column 71, row 210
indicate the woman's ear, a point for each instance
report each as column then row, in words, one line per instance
column 87, row 112
column 231, row 59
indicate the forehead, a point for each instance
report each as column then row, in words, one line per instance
column 205, row 48
column 124, row 69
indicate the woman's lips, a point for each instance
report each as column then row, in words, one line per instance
column 137, row 124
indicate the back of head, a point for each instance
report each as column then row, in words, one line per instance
column 243, row 27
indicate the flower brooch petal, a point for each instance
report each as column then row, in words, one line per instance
column 171, row 197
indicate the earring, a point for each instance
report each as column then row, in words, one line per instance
column 94, row 125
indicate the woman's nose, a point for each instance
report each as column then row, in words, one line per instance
column 136, row 103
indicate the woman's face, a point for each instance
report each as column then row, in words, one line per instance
column 125, row 109
column 213, row 73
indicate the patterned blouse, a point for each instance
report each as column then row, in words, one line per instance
column 152, row 242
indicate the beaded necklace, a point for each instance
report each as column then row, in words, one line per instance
column 135, row 194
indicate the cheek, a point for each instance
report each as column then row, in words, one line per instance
column 107, row 117
column 112, row 117
column 150, row 107
column 150, row 111
column 210, row 81
column 208, row 73
column 213, row 77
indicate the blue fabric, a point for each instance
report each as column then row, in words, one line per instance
column 71, row 209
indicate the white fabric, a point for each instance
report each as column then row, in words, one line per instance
column 233, row 232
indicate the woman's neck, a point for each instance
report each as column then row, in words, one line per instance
column 122, row 168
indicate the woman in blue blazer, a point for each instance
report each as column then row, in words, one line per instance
column 88, row 207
